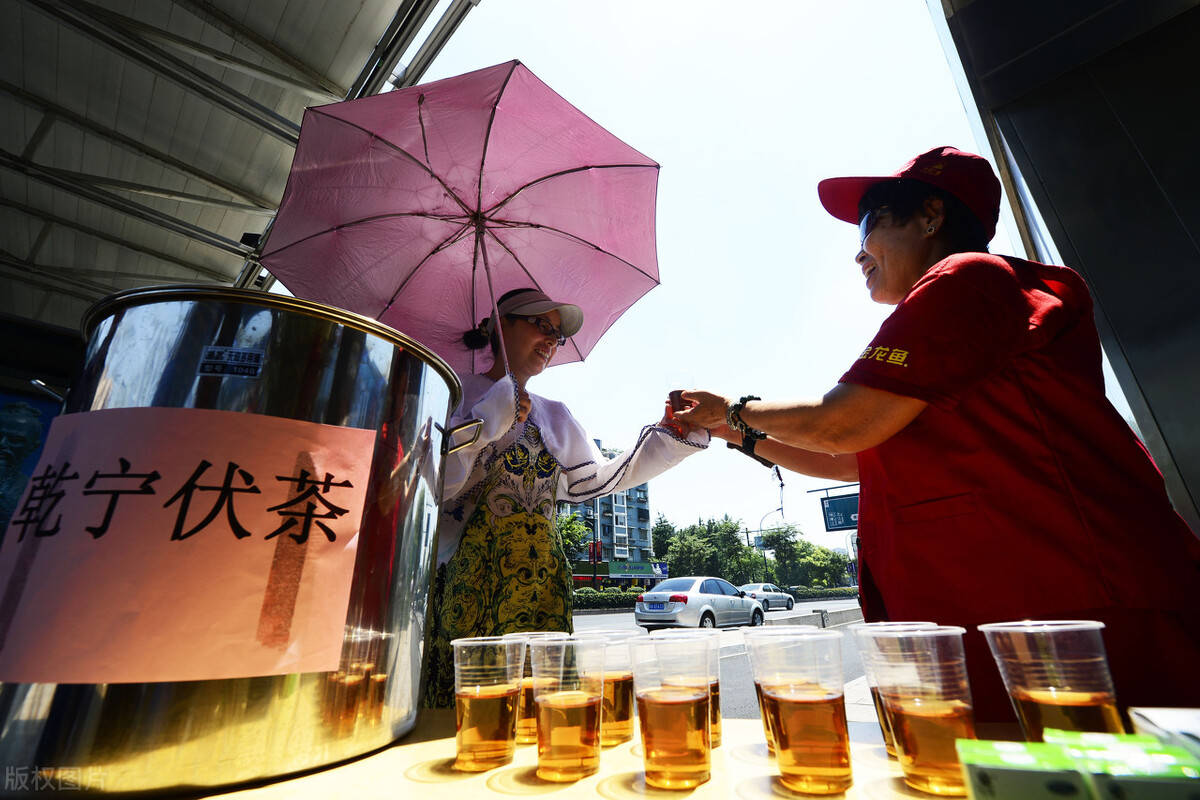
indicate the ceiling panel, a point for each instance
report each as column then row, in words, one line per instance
column 133, row 92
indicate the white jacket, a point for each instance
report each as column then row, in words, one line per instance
column 586, row 473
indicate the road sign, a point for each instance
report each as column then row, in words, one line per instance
column 841, row 512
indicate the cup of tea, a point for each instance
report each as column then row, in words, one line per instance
column 487, row 680
column 885, row 722
column 922, row 680
column 1056, row 674
column 799, row 675
column 526, row 712
column 775, row 630
column 672, row 689
column 714, row 677
column 616, row 718
column 568, row 688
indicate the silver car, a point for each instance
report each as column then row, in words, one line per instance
column 697, row 602
column 770, row 595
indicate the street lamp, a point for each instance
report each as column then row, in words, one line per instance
column 763, row 550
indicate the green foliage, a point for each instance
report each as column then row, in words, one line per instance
column 661, row 535
column 633, row 587
column 719, row 547
column 808, row 593
column 575, row 534
column 605, row 599
column 613, row 590
column 586, row 590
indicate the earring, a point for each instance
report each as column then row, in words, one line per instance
column 931, row 229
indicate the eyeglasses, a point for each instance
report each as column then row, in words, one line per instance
column 545, row 328
column 870, row 220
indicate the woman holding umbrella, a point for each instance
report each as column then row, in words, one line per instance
column 501, row 567
column 997, row 482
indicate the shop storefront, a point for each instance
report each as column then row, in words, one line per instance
column 620, row 573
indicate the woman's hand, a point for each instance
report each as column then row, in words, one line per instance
column 707, row 410
column 669, row 421
column 523, row 405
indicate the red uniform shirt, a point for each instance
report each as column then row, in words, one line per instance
column 1020, row 491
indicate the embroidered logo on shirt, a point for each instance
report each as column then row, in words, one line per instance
column 888, row 355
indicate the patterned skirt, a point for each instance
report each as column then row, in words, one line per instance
column 509, row 574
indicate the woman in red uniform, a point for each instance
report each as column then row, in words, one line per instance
column 997, row 481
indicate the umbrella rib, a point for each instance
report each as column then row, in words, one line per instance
column 466, row 209
column 487, row 139
column 363, row 221
column 451, row 239
column 532, row 279
column 516, row 223
column 561, row 173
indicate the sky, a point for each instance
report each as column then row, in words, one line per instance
column 746, row 107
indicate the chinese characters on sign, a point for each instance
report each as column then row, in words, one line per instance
column 46, row 490
column 231, row 361
column 841, row 512
column 142, row 549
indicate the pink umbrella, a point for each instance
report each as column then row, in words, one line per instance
column 421, row 206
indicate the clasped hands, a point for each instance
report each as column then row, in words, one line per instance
column 701, row 410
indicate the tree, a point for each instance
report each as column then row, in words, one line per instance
column 791, row 555
column 690, row 554
column 661, row 535
column 575, row 535
column 826, row 567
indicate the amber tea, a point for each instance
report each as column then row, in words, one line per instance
column 885, row 723
column 766, row 721
column 617, row 723
column 526, row 714
column 714, row 713
column 1068, row 711
column 812, row 740
column 675, row 737
column 925, row 732
column 485, row 721
column 568, row 734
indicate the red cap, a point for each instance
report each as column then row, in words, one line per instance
column 965, row 175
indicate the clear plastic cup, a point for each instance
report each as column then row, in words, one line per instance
column 799, row 677
column 568, row 688
column 671, row 684
column 714, row 677
column 1056, row 673
column 770, row 630
column 487, row 680
column 885, row 722
column 526, row 712
column 922, row 679
column 616, row 723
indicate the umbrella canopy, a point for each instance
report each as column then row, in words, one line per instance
column 421, row 206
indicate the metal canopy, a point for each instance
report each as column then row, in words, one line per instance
column 142, row 140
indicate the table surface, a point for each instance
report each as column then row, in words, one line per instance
column 419, row 765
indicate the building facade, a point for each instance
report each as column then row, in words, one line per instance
column 620, row 525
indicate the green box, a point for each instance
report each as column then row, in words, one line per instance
column 1020, row 771
column 1096, row 740
column 1135, row 770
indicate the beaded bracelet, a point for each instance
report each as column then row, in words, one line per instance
column 733, row 418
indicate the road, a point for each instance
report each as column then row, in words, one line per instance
column 737, row 685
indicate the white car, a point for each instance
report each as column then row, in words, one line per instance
column 770, row 595
column 696, row 602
